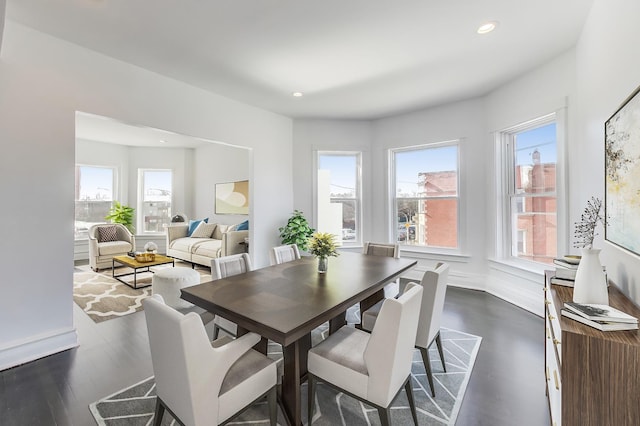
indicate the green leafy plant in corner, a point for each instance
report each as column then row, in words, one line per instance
column 119, row 213
column 296, row 231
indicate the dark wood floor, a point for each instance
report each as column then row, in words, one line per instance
column 506, row 387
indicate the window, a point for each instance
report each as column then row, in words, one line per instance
column 426, row 195
column 95, row 190
column 155, row 199
column 531, row 199
column 339, row 199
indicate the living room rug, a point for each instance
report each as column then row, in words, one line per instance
column 103, row 298
column 135, row 404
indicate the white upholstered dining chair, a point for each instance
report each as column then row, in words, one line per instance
column 371, row 367
column 222, row 267
column 435, row 287
column 382, row 249
column 285, row 253
column 201, row 382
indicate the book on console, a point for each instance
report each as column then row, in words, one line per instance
column 566, row 273
column 597, row 312
column 565, row 264
column 562, row 281
column 600, row 325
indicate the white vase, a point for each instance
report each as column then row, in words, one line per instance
column 591, row 282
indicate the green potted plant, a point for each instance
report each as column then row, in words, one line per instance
column 119, row 213
column 296, row 231
column 323, row 245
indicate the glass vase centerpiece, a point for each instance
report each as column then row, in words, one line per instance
column 590, row 284
column 323, row 245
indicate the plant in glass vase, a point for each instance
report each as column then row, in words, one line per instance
column 323, row 245
column 590, row 284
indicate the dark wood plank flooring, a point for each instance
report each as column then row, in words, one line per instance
column 506, row 387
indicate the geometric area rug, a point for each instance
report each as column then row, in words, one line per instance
column 103, row 298
column 135, row 404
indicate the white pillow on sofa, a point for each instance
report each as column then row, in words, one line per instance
column 204, row 230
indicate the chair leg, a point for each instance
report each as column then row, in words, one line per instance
column 273, row 406
column 159, row 413
column 311, row 388
column 408, row 388
column 439, row 343
column 385, row 416
column 427, row 366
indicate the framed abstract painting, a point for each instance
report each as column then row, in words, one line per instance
column 232, row 197
column 622, row 175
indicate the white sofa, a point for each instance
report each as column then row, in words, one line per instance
column 202, row 250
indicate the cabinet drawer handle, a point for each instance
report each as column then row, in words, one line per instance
column 545, row 288
column 555, row 379
column 556, row 342
column 551, row 317
column 548, row 333
column 547, row 302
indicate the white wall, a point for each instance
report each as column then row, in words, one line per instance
column 311, row 136
column 216, row 163
column 539, row 92
column 43, row 82
column 543, row 90
column 608, row 71
column 463, row 121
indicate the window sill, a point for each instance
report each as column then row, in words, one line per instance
column 438, row 254
column 517, row 267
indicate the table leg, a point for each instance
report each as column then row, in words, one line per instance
column 295, row 370
column 261, row 346
column 337, row 322
column 369, row 302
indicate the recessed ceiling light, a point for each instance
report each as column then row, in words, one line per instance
column 163, row 141
column 297, row 94
column 487, row 27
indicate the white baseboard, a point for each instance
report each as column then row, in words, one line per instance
column 23, row 352
column 523, row 289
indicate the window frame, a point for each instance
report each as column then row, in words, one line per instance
column 393, row 199
column 114, row 194
column 505, row 187
column 140, row 229
column 358, row 241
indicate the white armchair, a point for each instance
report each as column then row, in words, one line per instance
column 106, row 241
column 371, row 367
column 201, row 382
column 435, row 287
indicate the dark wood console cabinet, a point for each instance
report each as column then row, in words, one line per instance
column 593, row 377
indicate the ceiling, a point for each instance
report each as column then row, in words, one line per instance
column 107, row 130
column 352, row 59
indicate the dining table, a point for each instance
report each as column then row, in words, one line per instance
column 285, row 302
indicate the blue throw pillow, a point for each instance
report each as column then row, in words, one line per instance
column 244, row 226
column 193, row 224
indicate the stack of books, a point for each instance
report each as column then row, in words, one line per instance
column 565, row 271
column 602, row 317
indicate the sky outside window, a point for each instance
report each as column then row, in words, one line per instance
column 409, row 164
column 541, row 138
column 96, row 183
column 343, row 170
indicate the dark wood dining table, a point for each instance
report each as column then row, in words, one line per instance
column 285, row 302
